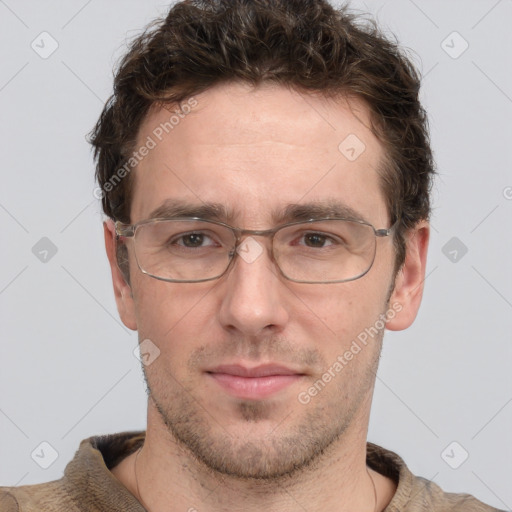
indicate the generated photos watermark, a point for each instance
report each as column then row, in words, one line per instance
column 357, row 345
column 150, row 143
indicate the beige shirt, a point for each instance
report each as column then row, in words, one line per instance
column 89, row 486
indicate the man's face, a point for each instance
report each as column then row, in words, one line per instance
column 256, row 152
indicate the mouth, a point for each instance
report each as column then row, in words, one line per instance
column 254, row 383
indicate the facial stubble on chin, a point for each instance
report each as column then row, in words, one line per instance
column 284, row 450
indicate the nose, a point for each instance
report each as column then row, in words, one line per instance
column 254, row 295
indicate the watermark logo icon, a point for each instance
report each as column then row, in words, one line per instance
column 44, row 455
column 455, row 455
column 454, row 249
column 454, row 45
column 44, row 45
column 146, row 352
column 352, row 147
column 250, row 250
column 44, row 250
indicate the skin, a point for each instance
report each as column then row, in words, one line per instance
column 268, row 147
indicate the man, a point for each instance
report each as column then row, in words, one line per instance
column 265, row 169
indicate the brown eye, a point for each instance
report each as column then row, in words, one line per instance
column 315, row 240
column 193, row 240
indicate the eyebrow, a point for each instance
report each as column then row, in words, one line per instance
column 316, row 210
column 174, row 208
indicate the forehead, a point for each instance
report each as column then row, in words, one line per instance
column 257, row 150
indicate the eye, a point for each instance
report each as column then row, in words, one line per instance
column 317, row 240
column 192, row 240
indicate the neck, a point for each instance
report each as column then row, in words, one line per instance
column 164, row 474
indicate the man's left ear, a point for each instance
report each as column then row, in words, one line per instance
column 409, row 280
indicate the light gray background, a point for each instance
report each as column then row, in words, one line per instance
column 67, row 364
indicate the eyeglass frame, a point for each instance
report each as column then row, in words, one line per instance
column 128, row 231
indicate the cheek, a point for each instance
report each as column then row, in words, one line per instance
column 171, row 315
column 344, row 324
column 342, row 309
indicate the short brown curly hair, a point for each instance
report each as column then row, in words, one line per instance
column 307, row 45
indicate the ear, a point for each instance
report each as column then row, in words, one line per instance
column 409, row 280
column 122, row 290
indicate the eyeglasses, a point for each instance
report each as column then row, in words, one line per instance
column 193, row 250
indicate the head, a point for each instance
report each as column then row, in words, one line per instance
column 248, row 106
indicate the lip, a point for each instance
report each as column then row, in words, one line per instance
column 254, row 383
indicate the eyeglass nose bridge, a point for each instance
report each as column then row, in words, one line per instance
column 241, row 232
column 242, row 235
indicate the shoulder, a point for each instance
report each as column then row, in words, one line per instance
column 87, row 482
column 428, row 496
column 415, row 493
column 50, row 497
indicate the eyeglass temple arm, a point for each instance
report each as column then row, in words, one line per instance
column 123, row 230
column 387, row 232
